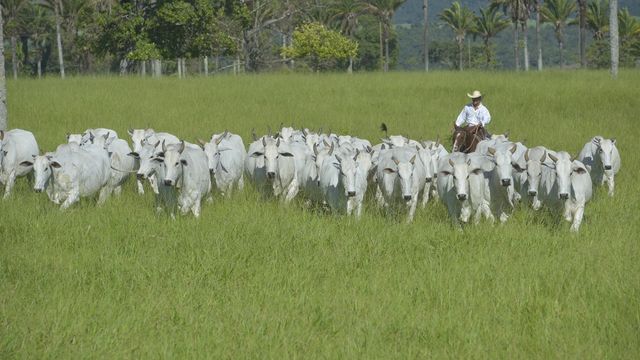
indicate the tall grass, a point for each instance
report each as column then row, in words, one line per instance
column 253, row 278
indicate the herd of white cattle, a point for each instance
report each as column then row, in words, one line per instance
column 328, row 169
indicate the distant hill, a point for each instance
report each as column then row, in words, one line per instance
column 411, row 11
column 410, row 35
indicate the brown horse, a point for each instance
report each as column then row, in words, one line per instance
column 465, row 139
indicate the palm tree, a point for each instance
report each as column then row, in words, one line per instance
column 3, row 87
column 56, row 6
column 488, row 25
column 346, row 12
column 39, row 25
column 628, row 25
column 537, row 6
column 582, row 22
column 518, row 11
column 557, row 12
column 425, row 34
column 384, row 11
column 461, row 20
column 13, row 10
column 613, row 37
column 597, row 20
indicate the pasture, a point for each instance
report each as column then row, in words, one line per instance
column 256, row 279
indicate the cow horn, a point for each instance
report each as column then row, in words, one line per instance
column 451, row 162
column 1, row 135
column 264, row 141
column 253, row 134
column 315, row 149
column 553, row 158
column 544, row 157
column 514, row 148
column 526, row 155
column 278, row 142
column 201, row 142
column 331, row 149
column 164, row 146
column 437, row 142
column 413, row 159
column 181, row 149
column 506, row 133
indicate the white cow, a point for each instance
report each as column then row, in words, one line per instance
column 90, row 133
column 337, row 179
column 400, row 177
column 122, row 165
column 139, row 137
column 602, row 159
column 152, row 165
column 254, row 165
column 453, row 186
column 79, row 173
column 571, row 187
column 187, row 166
column 226, row 156
column 280, row 167
column 17, row 150
column 531, row 163
column 431, row 152
column 501, row 180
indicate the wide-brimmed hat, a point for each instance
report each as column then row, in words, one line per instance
column 475, row 94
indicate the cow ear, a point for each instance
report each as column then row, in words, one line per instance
column 613, row 141
column 134, row 154
column 389, row 171
column 1, row 135
column 286, row 154
column 491, row 151
column 56, row 165
column 202, row 143
column 26, row 163
column 160, row 154
column 513, row 148
column 158, row 159
column 445, row 173
column 183, row 162
column 413, row 159
column 256, row 154
column 130, row 132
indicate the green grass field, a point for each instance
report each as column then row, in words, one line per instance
column 256, row 279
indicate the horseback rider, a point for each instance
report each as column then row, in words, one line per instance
column 475, row 113
column 475, row 116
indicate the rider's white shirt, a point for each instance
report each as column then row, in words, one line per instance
column 471, row 116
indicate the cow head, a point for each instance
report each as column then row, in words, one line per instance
column 405, row 175
column 43, row 169
column 564, row 167
column 347, row 166
column 173, row 162
column 273, row 150
column 604, row 149
column 503, row 159
column 458, row 168
column 138, row 136
column 150, row 157
column 534, row 159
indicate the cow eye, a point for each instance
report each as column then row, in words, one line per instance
column 177, row 163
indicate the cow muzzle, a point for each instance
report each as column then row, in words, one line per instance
column 533, row 193
column 462, row 197
column 407, row 197
column 607, row 167
column 564, row 196
column 429, row 179
column 271, row 175
column 505, row 182
column 351, row 193
column 168, row 182
column 38, row 190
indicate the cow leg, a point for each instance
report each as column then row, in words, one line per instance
column 577, row 218
column 195, row 209
column 153, row 180
column 104, row 194
column 350, row 206
column 241, row 182
column 293, row 191
column 359, row 209
column 380, row 198
column 140, row 187
column 118, row 190
column 465, row 214
column 412, row 208
column 72, row 197
column 611, row 184
column 425, row 195
column 536, row 204
column 11, row 179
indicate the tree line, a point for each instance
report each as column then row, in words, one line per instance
column 181, row 36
